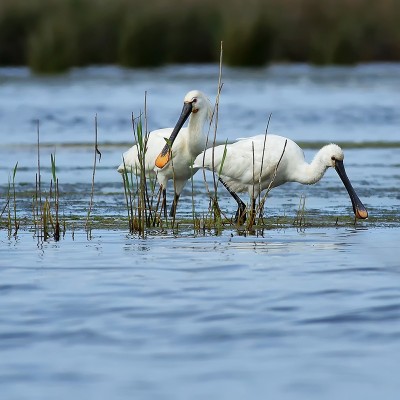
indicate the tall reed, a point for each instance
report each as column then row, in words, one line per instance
column 139, row 189
column 38, row 188
column 9, row 222
column 214, row 208
column 54, row 35
column 16, row 222
column 300, row 219
column 96, row 153
column 56, row 200
column 128, row 198
column 46, row 224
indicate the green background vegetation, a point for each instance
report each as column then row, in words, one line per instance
column 54, row 35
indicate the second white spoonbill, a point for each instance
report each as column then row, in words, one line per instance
column 170, row 152
column 249, row 164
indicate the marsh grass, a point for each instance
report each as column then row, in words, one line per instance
column 300, row 218
column 47, row 217
column 11, row 196
column 45, row 213
column 54, row 35
column 144, row 215
column 50, row 226
column 56, row 198
column 142, row 199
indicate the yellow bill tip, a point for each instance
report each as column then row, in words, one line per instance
column 361, row 214
column 162, row 160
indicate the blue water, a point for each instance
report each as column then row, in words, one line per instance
column 359, row 103
column 288, row 313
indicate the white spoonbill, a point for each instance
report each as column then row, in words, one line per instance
column 249, row 166
column 186, row 144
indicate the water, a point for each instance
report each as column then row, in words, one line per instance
column 288, row 313
column 358, row 103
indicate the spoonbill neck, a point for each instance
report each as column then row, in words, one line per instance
column 198, row 127
column 310, row 173
column 198, row 120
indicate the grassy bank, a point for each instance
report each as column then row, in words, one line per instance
column 54, row 35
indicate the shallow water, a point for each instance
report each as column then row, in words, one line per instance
column 289, row 313
column 312, row 314
column 359, row 103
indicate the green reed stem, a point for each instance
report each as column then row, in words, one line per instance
column 300, row 215
column 38, row 182
column 96, row 153
column 16, row 223
column 56, row 227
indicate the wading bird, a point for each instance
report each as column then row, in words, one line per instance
column 170, row 152
column 250, row 165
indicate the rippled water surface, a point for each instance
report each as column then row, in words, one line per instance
column 310, row 312
column 289, row 315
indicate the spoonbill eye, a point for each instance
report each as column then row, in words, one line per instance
column 333, row 158
column 194, row 100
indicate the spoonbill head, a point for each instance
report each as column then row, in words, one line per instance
column 266, row 161
column 169, row 152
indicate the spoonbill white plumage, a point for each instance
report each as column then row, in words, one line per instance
column 181, row 145
column 249, row 166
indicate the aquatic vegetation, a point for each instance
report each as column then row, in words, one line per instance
column 139, row 188
column 96, row 153
column 135, row 206
column 53, row 35
column 140, row 212
column 300, row 219
column 45, row 205
column 16, row 223
column 7, row 207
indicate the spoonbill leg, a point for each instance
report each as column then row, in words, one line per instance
column 174, row 204
column 240, row 216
